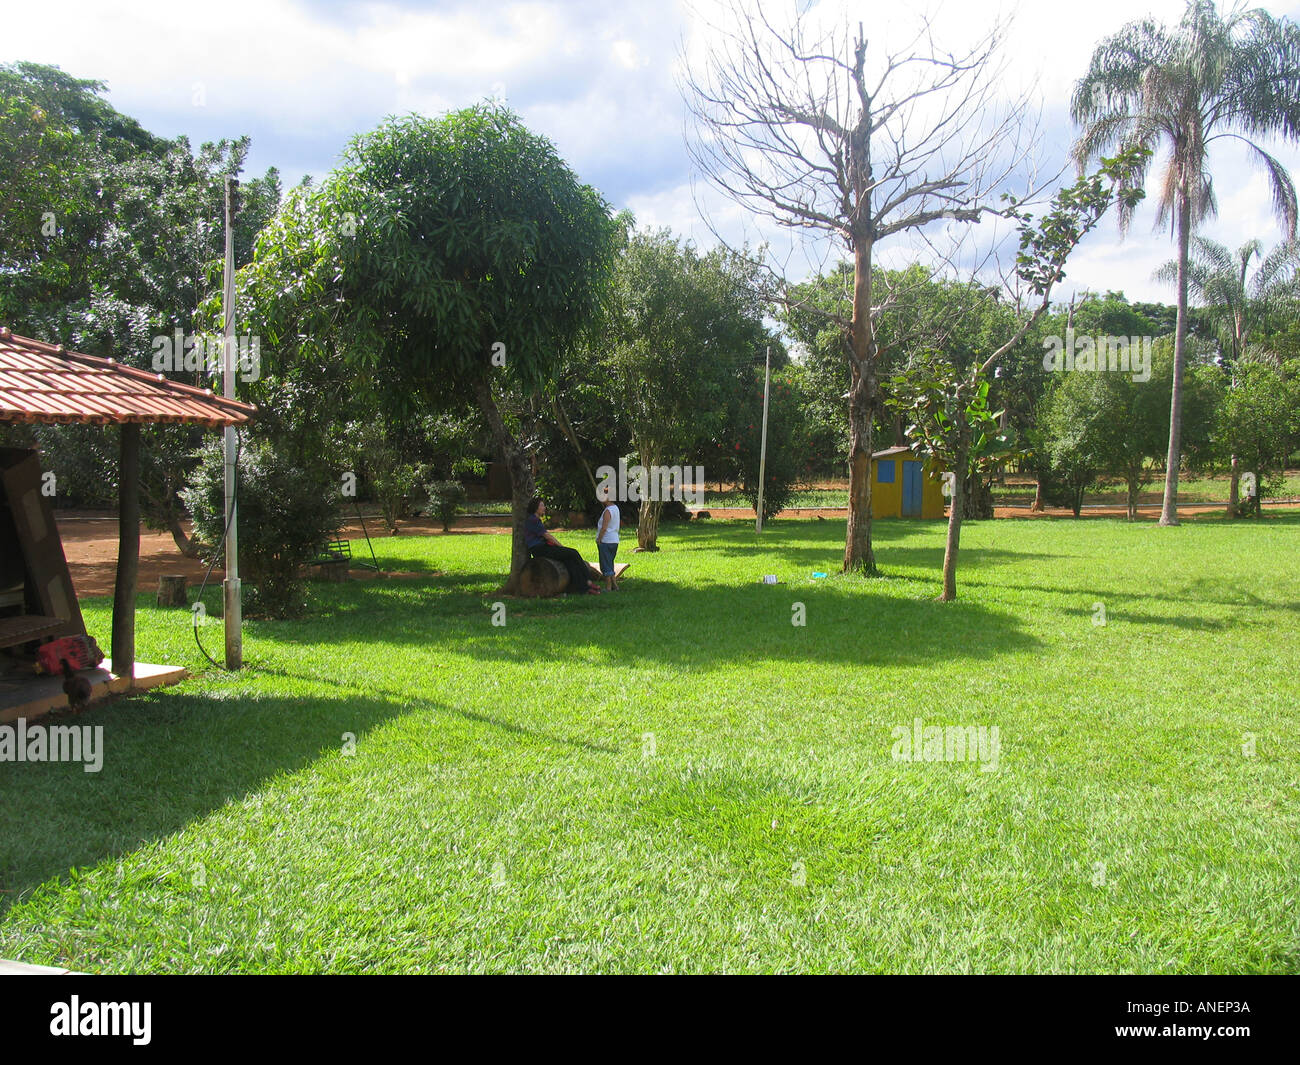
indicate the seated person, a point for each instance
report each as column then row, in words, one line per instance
column 541, row 544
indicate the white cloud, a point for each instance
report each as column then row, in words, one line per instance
column 596, row 77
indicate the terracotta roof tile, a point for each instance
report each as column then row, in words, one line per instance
column 45, row 383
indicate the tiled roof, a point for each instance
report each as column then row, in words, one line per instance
column 46, row 383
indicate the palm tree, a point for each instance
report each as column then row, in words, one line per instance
column 1238, row 300
column 1208, row 79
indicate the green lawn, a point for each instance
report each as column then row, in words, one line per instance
column 676, row 778
column 1191, row 489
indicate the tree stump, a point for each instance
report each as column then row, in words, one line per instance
column 542, row 578
column 171, row 590
column 335, row 570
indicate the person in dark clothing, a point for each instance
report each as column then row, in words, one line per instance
column 541, row 544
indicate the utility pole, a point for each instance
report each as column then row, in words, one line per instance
column 762, row 451
column 232, row 612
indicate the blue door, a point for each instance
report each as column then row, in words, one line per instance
column 911, row 489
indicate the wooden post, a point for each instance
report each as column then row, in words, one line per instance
column 128, row 551
column 232, row 602
column 762, row 453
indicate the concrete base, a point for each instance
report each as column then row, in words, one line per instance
column 33, row 695
column 21, row 968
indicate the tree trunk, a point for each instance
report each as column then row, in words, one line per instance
column 1169, row 511
column 1234, row 487
column 956, row 505
column 858, row 555
column 977, row 500
column 1132, row 499
column 522, row 484
column 543, row 578
column 188, row 546
column 647, row 525
column 1038, row 496
column 562, row 420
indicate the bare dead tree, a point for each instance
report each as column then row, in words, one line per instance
column 821, row 133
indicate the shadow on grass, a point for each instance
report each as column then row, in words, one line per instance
column 1117, row 600
column 471, row 716
column 171, row 758
column 654, row 622
column 1129, row 616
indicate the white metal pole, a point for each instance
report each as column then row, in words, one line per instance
column 762, row 452
column 232, row 612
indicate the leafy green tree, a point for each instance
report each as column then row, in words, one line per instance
column 921, row 313
column 682, row 332
column 1259, row 421
column 446, row 259
column 109, row 238
column 60, row 147
column 1104, row 423
column 1210, row 78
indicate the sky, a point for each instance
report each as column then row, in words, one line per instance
column 301, row 77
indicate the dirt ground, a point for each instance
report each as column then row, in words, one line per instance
column 1145, row 513
column 90, row 544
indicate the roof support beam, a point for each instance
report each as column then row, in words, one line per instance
column 128, row 551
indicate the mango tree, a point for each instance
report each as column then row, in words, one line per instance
column 446, row 261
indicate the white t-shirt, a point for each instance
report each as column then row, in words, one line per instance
column 610, row 535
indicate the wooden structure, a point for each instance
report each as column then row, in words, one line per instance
column 49, row 385
column 36, row 596
column 902, row 486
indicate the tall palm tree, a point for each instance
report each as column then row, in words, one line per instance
column 1238, row 301
column 1209, row 78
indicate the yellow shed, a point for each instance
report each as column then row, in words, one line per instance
column 902, row 486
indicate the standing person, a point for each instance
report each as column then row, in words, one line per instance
column 541, row 544
column 607, row 536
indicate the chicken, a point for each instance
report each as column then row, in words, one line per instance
column 76, row 687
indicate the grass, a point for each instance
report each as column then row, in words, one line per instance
column 1197, row 489
column 675, row 778
column 803, row 497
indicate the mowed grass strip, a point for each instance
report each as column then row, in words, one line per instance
column 676, row 778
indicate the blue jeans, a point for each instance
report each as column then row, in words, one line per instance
column 607, row 553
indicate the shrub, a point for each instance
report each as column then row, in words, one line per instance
column 445, row 498
column 286, row 512
column 394, row 489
